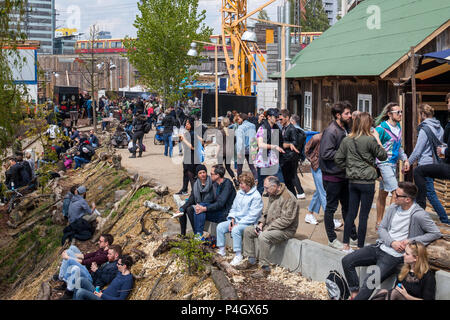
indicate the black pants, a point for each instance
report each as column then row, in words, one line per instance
column 436, row 171
column 336, row 192
column 138, row 137
column 188, row 176
column 360, row 197
column 289, row 170
column 297, row 184
column 223, row 161
column 250, row 165
column 369, row 256
column 183, row 220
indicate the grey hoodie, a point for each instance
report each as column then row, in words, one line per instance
column 422, row 151
column 421, row 227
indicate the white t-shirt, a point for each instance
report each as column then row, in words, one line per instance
column 399, row 229
column 395, row 130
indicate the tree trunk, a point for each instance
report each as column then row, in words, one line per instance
column 226, row 289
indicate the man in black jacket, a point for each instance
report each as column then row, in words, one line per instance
column 139, row 123
column 289, row 159
column 168, row 123
column 216, row 211
column 17, row 175
column 334, row 181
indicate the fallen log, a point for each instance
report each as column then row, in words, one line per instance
column 221, row 263
column 165, row 246
column 160, row 277
column 140, row 254
column 226, row 289
column 439, row 254
column 45, row 292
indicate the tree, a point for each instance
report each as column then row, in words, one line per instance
column 11, row 14
column 315, row 17
column 263, row 15
column 165, row 30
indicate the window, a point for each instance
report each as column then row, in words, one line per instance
column 365, row 103
column 308, row 111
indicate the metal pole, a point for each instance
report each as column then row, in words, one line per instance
column 283, row 68
column 217, row 87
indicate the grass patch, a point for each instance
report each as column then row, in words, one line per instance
column 141, row 192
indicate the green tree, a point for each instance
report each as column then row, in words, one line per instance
column 263, row 15
column 165, row 30
column 315, row 17
column 11, row 18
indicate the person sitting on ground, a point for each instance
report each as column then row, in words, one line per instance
column 118, row 289
column 79, row 207
column 67, row 200
column 17, row 175
column 74, row 133
column 216, row 211
column 29, row 159
column 403, row 222
column 93, row 140
column 278, row 223
column 73, row 257
column 101, row 276
column 85, row 154
column 246, row 210
column 202, row 194
column 416, row 280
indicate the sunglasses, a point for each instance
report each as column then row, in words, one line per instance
column 398, row 112
column 400, row 196
column 119, row 264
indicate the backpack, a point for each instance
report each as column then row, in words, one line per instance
column 300, row 144
column 147, row 127
column 337, row 286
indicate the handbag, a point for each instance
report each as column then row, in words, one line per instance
column 365, row 160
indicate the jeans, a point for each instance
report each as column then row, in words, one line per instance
column 441, row 171
column 74, row 272
column 261, row 177
column 319, row 197
column 104, row 125
column 200, row 218
column 336, row 192
column 138, row 137
column 85, row 284
column 367, row 256
column 359, row 194
column 167, row 138
column 236, row 233
column 79, row 161
column 84, row 294
column 71, row 252
column 432, row 197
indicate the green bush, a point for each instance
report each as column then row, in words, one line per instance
column 191, row 253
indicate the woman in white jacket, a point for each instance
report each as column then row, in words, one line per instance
column 246, row 210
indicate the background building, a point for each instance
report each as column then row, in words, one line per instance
column 39, row 23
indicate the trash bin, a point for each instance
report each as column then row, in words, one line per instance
column 309, row 134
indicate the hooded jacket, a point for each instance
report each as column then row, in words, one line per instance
column 329, row 145
column 421, row 227
column 247, row 207
column 78, row 208
column 423, row 152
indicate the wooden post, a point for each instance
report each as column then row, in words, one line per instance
column 413, row 97
column 283, row 68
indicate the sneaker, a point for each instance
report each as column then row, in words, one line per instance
column 177, row 214
column 301, row 196
column 310, row 219
column 261, row 273
column 221, row 252
column 181, row 192
column 353, row 242
column 236, row 260
column 336, row 244
column 348, row 251
column 337, row 224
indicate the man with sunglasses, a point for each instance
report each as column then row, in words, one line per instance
column 404, row 222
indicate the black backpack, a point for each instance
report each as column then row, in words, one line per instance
column 147, row 127
column 300, row 143
column 337, row 286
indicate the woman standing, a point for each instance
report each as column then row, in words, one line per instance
column 188, row 156
column 227, row 148
column 356, row 155
column 416, row 281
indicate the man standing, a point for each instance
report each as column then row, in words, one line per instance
column 289, row 159
column 403, row 223
column 278, row 223
column 390, row 133
column 333, row 177
column 168, row 123
column 244, row 134
column 139, row 123
column 428, row 140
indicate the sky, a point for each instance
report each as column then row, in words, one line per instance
column 117, row 16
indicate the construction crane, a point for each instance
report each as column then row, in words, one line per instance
column 241, row 61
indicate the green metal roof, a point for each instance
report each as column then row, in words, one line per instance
column 351, row 48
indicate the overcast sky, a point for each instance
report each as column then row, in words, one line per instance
column 117, row 16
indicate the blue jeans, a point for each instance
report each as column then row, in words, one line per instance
column 104, row 125
column 79, row 161
column 320, row 197
column 84, row 294
column 85, row 284
column 261, row 177
column 236, row 233
column 368, row 256
column 199, row 219
column 434, row 201
column 71, row 252
column 72, row 276
column 167, row 137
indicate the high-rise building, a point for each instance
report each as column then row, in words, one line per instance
column 39, row 23
column 331, row 8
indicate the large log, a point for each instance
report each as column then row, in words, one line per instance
column 439, row 254
column 226, row 289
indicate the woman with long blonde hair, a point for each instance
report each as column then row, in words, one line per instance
column 416, row 280
column 356, row 155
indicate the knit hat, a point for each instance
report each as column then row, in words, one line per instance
column 199, row 168
column 81, row 190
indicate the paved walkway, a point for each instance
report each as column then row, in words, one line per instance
column 168, row 171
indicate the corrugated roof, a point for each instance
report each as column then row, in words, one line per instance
column 355, row 47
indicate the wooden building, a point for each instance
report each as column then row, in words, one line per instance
column 366, row 59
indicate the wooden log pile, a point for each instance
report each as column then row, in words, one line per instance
column 439, row 251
